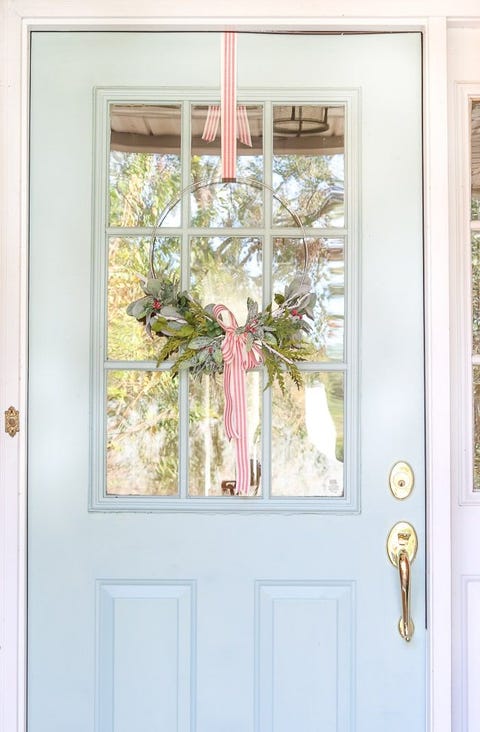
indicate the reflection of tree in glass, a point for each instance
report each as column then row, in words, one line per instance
column 142, row 433
column 227, row 270
column 135, row 401
column 475, row 213
column 141, row 185
column 143, row 407
column 231, row 204
column 476, row 292
column 211, row 455
column 312, row 185
column 326, row 272
column 207, row 435
column 476, row 427
column 476, row 351
column 129, row 257
column 302, row 464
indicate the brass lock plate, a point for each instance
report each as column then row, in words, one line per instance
column 402, row 538
column 12, row 421
column 401, row 480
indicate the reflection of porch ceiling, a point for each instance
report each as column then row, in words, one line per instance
column 476, row 149
column 156, row 129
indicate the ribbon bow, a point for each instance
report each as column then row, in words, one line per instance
column 237, row 360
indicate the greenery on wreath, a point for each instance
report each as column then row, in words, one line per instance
column 193, row 338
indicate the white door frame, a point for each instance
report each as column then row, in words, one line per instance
column 20, row 17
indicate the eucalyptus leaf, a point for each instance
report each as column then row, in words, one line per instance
column 270, row 338
column 169, row 312
column 252, row 308
column 249, row 341
column 218, row 356
column 199, row 342
column 202, row 355
column 187, row 363
column 299, row 286
column 184, row 330
column 154, row 287
column 158, row 325
column 139, row 308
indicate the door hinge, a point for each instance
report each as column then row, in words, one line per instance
column 12, row 421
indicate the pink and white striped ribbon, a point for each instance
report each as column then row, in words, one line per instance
column 243, row 126
column 210, row 129
column 211, row 124
column 237, row 360
column 229, row 106
column 230, row 116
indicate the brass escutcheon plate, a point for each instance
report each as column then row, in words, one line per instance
column 402, row 537
column 401, row 480
column 12, row 421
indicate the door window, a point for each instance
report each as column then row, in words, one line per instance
column 157, row 437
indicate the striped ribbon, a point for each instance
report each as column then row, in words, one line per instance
column 210, row 129
column 234, row 120
column 211, row 123
column 229, row 106
column 243, row 126
column 237, row 360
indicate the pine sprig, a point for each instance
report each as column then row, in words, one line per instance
column 170, row 348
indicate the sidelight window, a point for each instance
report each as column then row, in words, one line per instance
column 475, row 275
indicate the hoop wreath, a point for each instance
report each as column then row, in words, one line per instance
column 208, row 338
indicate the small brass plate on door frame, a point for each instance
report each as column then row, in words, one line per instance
column 401, row 480
column 12, row 421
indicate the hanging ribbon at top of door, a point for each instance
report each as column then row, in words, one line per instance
column 233, row 118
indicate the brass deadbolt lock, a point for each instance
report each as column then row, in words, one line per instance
column 401, row 480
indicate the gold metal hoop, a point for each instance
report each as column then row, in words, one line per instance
column 252, row 182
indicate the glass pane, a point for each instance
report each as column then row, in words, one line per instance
column 326, row 269
column 142, row 433
column 227, row 270
column 127, row 259
column 212, row 456
column 309, row 164
column 307, row 438
column 475, row 152
column 145, row 169
column 476, row 428
column 229, row 204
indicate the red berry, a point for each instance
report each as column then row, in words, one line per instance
column 157, row 304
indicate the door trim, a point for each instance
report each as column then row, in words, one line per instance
column 20, row 18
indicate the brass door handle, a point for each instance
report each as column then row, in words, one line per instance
column 402, row 545
column 405, row 625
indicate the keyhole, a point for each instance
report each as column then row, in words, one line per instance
column 401, row 480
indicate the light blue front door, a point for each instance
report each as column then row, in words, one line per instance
column 158, row 602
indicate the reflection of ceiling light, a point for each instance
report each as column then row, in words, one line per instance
column 296, row 125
